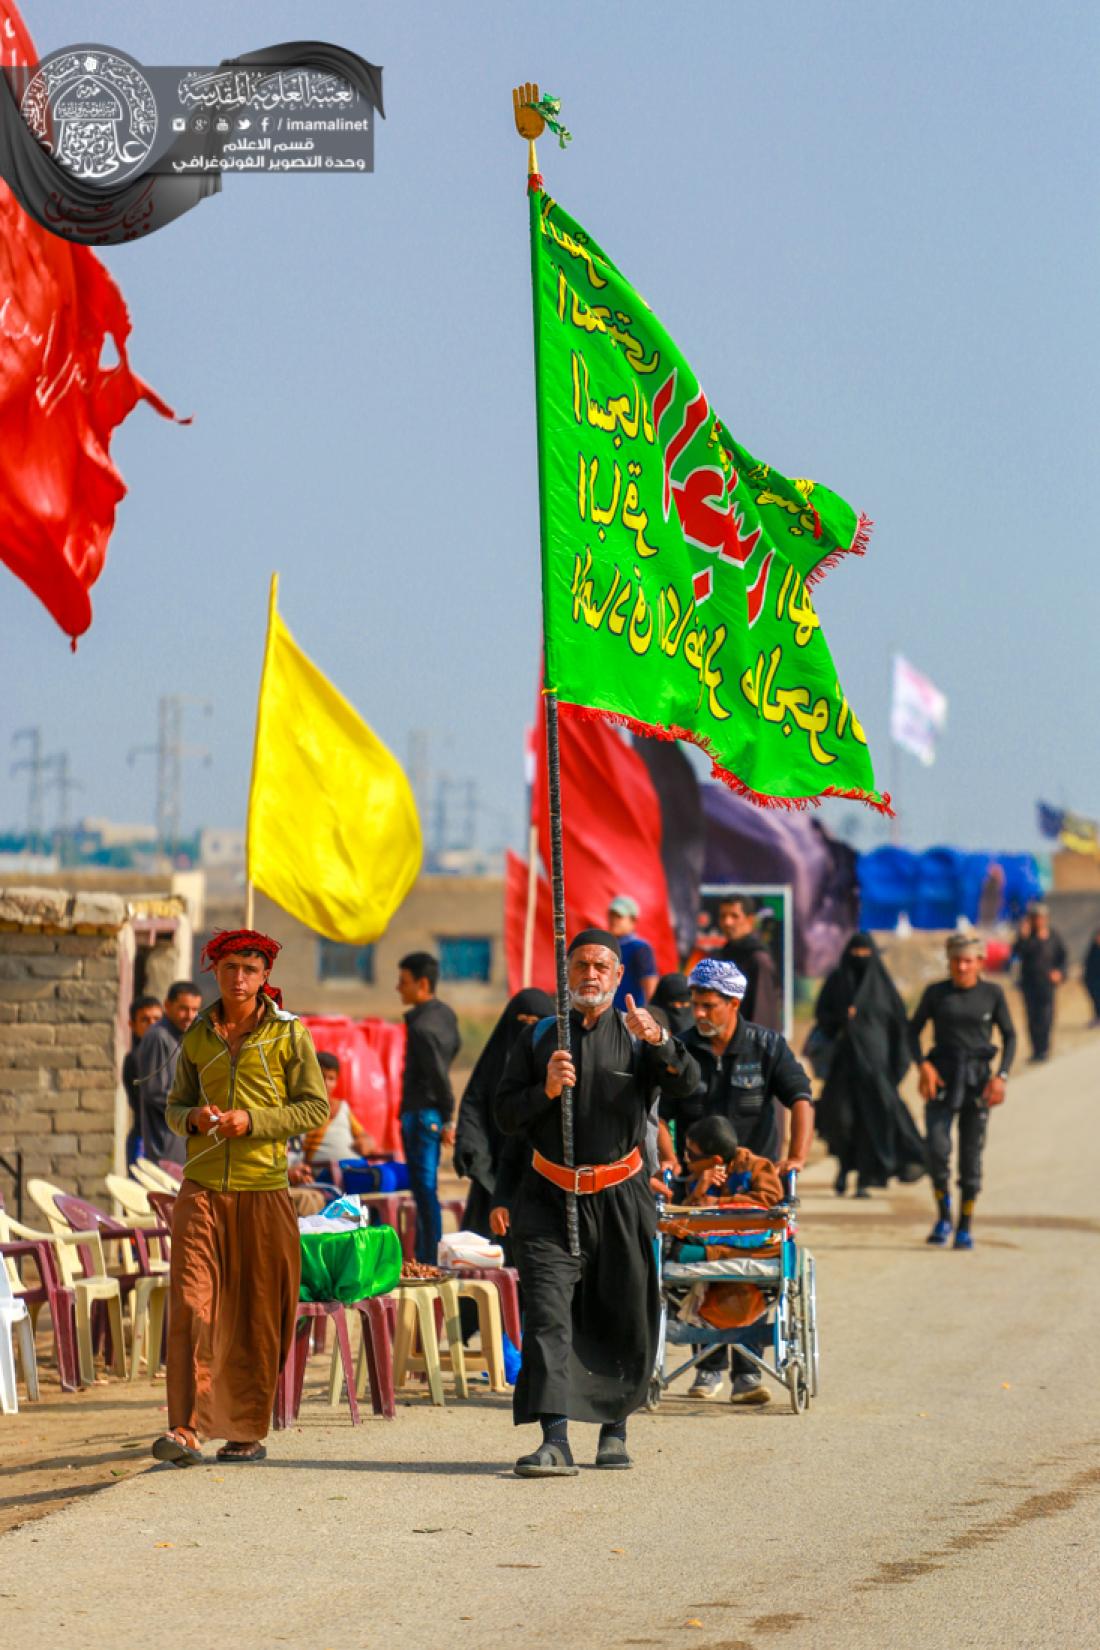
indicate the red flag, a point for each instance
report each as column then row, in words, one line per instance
column 59, row 404
column 611, row 834
column 515, row 925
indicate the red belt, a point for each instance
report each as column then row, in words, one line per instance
column 589, row 1178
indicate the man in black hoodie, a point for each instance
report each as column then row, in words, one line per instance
column 748, row 952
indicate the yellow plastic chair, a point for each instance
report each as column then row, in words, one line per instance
column 87, row 1287
column 45, row 1292
column 152, row 1176
column 416, row 1298
column 148, row 1295
column 131, row 1202
column 486, row 1298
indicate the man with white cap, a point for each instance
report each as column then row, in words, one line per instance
column 957, row 1079
column 640, row 973
column 745, row 1068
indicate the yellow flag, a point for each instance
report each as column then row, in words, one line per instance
column 333, row 832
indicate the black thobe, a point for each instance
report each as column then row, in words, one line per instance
column 1038, row 959
column 1092, row 975
column 590, row 1321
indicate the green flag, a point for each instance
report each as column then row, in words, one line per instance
column 676, row 567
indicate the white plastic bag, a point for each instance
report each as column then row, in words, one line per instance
column 469, row 1249
column 343, row 1214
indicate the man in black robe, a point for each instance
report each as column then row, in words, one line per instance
column 1042, row 958
column 591, row 1320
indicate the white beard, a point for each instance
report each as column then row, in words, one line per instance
column 587, row 1005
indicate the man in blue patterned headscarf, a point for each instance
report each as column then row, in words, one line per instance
column 748, row 1074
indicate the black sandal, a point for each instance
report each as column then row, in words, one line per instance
column 548, row 1461
column 174, row 1448
column 244, row 1453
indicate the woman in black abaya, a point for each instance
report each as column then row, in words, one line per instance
column 478, row 1141
column 860, row 1115
column 670, row 1004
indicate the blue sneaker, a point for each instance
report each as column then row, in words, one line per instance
column 940, row 1233
column 963, row 1240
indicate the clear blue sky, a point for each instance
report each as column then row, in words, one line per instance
column 871, row 226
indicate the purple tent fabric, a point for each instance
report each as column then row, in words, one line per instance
column 682, row 846
column 749, row 844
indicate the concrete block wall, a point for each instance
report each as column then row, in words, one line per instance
column 64, row 987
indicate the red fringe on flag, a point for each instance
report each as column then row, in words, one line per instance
column 792, row 804
column 858, row 547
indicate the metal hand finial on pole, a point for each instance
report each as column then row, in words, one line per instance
column 530, row 124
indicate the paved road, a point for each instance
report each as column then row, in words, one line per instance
column 944, row 1491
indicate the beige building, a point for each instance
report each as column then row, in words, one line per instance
column 458, row 919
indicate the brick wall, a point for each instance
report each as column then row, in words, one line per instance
column 64, row 969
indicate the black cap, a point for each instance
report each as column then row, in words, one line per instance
column 596, row 936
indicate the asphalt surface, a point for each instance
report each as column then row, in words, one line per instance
column 943, row 1490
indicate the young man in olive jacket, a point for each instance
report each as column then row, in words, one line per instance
column 247, row 1080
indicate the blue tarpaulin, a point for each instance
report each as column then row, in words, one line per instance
column 936, row 887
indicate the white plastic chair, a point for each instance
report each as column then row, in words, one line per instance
column 130, row 1202
column 152, row 1176
column 15, row 1324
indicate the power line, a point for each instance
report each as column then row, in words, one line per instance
column 58, row 766
column 171, row 753
column 33, row 764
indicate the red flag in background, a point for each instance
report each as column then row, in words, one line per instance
column 611, row 837
column 59, row 404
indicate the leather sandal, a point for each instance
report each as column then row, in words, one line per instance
column 244, row 1453
column 612, row 1452
column 173, row 1447
column 548, row 1461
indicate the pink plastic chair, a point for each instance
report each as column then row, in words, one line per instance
column 288, row 1393
column 50, row 1292
column 506, row 1279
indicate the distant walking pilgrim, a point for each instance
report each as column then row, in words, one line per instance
column 961, row 1077
column 247, row 1080
column 861, row 1116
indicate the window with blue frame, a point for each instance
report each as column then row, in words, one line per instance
column 345, row 963
column 465, row 957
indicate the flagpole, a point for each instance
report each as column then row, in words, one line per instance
column 530, row 125
column 249, row 886
column 532, row 905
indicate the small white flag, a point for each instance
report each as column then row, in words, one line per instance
column 919, row 712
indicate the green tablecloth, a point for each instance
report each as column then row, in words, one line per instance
column 349, row 1266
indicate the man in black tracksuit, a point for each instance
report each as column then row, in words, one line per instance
column 957, row 1079
column 1042, row 958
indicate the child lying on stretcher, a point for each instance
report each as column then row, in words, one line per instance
column 720, row 1170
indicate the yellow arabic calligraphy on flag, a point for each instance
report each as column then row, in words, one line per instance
column 333, row 832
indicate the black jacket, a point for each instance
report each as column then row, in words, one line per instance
column 756, row 1068
column 431, row 1045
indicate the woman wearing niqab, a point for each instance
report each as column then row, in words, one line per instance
column 670, row 1004
column 478, row 1140
column 861, row 1116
